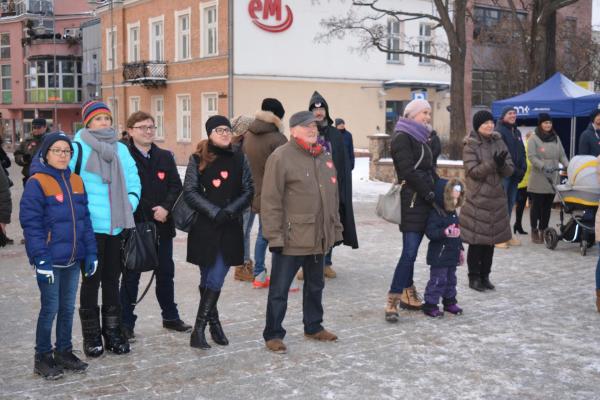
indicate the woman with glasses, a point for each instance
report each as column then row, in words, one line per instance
column 113, row 187
column 218, row 185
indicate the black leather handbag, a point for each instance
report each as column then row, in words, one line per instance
column 140, row 248
column 183, row 215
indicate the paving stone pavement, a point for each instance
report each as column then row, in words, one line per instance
column 535, row 337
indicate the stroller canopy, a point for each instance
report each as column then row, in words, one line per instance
column 582, row 186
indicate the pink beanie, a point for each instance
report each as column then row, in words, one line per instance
column 415, row 107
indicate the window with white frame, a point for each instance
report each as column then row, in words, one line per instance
column 424, row 43
column 209, row 29
column 210, row 106
column 4, row 46
column 133, row 40
column 184, row 117
column 113, row 105
column 158, row 112
column 183, row 35
column 134, row 104
column 394, row 30
column 157, row 39
column 111, row 48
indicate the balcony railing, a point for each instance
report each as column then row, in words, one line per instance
column 146, row 73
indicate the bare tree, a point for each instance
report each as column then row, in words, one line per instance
column 367, row 19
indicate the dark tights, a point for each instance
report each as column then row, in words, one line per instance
column 520, row 206
column 541, row 206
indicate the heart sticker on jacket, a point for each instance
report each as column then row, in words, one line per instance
column 216, row 182
column 542, row 149
column 333, row 179
column 224, row 174
column 59, row 197
column 161, row 175
column 329, row 164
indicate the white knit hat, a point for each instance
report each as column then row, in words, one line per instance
column 415, row 107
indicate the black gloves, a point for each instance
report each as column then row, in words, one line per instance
column 277, row 250
column 222, row 217
column 429, row 197
column 500, row 158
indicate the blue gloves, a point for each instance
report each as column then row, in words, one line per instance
column 43, row 270
column 90, row 265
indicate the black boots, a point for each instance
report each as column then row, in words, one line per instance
column 207, row 312
column 45, row 366
column 216, row 330
column 90, row 327
column 475, row 283
column 485, row 281
column 69, row 361
column 111, row 330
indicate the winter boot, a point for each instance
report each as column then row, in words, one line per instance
column 432, row 310
column 598, row 300
column 90, row 327
column 391, row 307
column 111, row 330
column 45, row 366
column 410, row 299
column 208, row 299
column 329, row 272
column 475, row 283
column 69, row 361
column 245, row 273
column 536, row 236
column 215, row 328
column 485, row 282
column 451, row 306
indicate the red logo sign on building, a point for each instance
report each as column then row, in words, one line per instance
column 261, row 10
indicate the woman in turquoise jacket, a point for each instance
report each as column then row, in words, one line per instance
column 113, row 187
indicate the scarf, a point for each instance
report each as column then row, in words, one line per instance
column 545, row 137
column 412, row 128
column 104, row 161
column 313, row 149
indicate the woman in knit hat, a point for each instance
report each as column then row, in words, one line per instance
column 413, row 161
column 114, row 189
column 545, row 152
column 218, row 185
column 484, row 220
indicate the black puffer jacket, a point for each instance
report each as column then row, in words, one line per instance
column 5, row 201
column 419, row 182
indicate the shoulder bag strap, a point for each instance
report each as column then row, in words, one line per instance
column 79, row 156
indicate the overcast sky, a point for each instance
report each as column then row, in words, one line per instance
column 596, row 14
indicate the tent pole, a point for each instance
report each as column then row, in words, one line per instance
column 573, row 137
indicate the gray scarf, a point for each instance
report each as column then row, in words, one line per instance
column 104, row 161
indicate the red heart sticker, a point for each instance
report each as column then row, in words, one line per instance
column 329, row 164
column 333, row 179
column 542, row 149
column 224, row 174
column 59, row 197
column 216, row 182
column 161, row 175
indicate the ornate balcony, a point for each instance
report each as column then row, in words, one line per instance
column 146, row 73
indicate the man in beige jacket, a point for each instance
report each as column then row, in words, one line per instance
column 301, row 222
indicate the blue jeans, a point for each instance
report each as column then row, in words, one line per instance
column 58, row 300
column 248, row 222
column 403, row 275
column 213, row 276
column 328, row 257
column 260, row 251
column 598, row 271
column 511, row 189
column 165, row 288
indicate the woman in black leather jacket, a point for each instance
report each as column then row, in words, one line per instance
column 218, row 185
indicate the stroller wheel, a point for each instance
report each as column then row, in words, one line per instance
column 583, row 246
column 550, row 238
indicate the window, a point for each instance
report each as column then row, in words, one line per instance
column 157, row 39
column 47, row 82
column 210, row 106
column 5, row 72
column 134, row 104
column 184, row 118
column 209, row 28
column 4, row 46
column 113, row 104
column 183, row 35
column 158, row 112
column 492, row 25
column 424, row 43
column 111, row 48
column 394, row 41
column 133, row 41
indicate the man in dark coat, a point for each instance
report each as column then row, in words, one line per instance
column 161, row 186
column 340, row 125
column 507, row 127
column 29, row 147
column 589, row 142
column 333, row 141
column 5, row 207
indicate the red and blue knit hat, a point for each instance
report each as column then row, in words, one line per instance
column 93, row 108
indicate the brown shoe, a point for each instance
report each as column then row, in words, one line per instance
column 391, row 307
column 514, row 241
column 410, row 299
column 322, row 336
column 300, row 274
column 536, row 237
column 276, row 346
column 245, row 272
column 503, row 245
column 329, row 272
column 598, row 300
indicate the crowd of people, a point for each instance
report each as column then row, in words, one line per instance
column 80, row 196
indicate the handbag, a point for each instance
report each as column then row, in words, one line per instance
column 183, row 215
column 389, row 205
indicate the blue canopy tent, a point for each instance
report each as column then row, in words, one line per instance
column 561, row 98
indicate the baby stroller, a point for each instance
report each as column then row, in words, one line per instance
column 578, row 197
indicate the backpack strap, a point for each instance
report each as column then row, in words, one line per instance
column 79, row 156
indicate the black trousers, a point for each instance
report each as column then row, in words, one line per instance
column 108, row 273
column 520, row 206
column 479, row 260
column 283, row 272
column 541, row 207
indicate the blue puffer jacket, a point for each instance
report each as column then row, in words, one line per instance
column 97, row 191
column 442, row 250
column 55, row 217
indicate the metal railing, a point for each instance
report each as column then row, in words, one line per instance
column 146, row 73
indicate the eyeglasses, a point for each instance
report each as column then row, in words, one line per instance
column 222, row 131
column 145, row 128
column 59, row 152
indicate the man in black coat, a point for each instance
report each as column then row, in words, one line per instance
column 161, row 185
column 589, row 141
column 333, row 141
column 29, row 147
column 5, row 207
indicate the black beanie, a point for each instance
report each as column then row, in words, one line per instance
column 543, row 117
column 49, row 140
column 274, row 106
column 215, row 121
column 594, row 114
column 480, row 117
